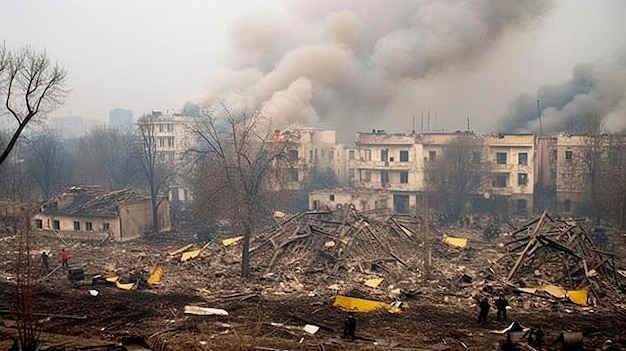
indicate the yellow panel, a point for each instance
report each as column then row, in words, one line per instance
column 112, row 279
column 457, row 242
column 362, row 305
column 177, row 251
column 528, row 290
column 190, row 254
column 279, row 214
column 129, row 286
column 155, row 275
column 231, row 241
column 555, row 291
column 374, row 283
column 578, row 297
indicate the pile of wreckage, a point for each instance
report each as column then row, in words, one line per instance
column 561, row 259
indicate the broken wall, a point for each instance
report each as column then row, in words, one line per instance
column 136, row 218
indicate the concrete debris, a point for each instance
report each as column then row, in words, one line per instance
column 205, row 311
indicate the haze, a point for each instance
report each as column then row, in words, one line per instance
column 148, row 54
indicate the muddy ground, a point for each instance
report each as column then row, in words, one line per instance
column 428, row 320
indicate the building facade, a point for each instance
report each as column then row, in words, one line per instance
column 91, row 213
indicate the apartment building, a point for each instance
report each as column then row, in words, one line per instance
column 389, row 162
column 311, row 151
column 512, row 164
column 172, row 137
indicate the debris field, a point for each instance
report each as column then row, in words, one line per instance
column 173, row 292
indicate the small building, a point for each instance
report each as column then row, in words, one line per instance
column 93, row 213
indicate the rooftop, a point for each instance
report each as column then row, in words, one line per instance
column 91, row 201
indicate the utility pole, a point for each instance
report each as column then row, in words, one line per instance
column 428, row 120
column 468, row 124
column 422, row 123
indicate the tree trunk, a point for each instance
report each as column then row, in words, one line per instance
column 155, row 216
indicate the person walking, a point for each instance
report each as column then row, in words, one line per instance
column 44, row 263
column 484, row 310
column 65, row 256
column 501, row 305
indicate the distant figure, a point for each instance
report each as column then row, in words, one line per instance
column 65, row 255
column 44, row 262
column 349, row 327
column 501, row 304
column 484, row 310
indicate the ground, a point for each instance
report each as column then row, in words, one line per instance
column 261, row 315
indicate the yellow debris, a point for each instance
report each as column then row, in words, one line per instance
column 578, row 297
column 155, row 275
column 555, row 291
column 112, row 279
column 181, row 250
column 528, row 290
column 374, row 283
column 129, row 286
column 279, row 214
column 231, row 241
column 190, row 254
column 457, row 242
column 362, row 305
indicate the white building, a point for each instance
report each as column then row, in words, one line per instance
column 173, row 137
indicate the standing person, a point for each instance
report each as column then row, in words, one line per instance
column 65, row 255
column 44, row 262
column 484, row 310
column 349, row 327
column 501, row 304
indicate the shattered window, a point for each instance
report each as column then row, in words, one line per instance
column 332, row 197
column 366, row 176
column 76, row 225
column 501, row 158
column 88, row 226
column 569, row 156
column 351, row 155
column 404, row 177
column 38, row 223
column 368, row 155
column 404, row 156
column 522, row 179
column 105, row 226
column 293, row 174
column 56, row 225
column 501, row 181
column 384, row 177
column 522, row 158
column 384, row 155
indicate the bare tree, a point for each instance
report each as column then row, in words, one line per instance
column 157, row 171
column 458, row 174
column 106, row 156
column 241, row 153
column 27, row 326
column 45, row 162
column 594, row 161
column 30, row 85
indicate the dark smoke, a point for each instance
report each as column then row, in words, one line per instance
column 597, row 89
column 334, row 61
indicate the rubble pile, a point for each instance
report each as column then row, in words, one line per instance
column 335, row 243
column 563, row 254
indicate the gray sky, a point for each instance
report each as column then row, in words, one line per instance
column 157, row 54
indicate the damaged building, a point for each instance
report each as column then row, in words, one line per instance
column 92, row 213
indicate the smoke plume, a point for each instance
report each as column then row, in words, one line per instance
column 596, row 90
column 333, row 61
